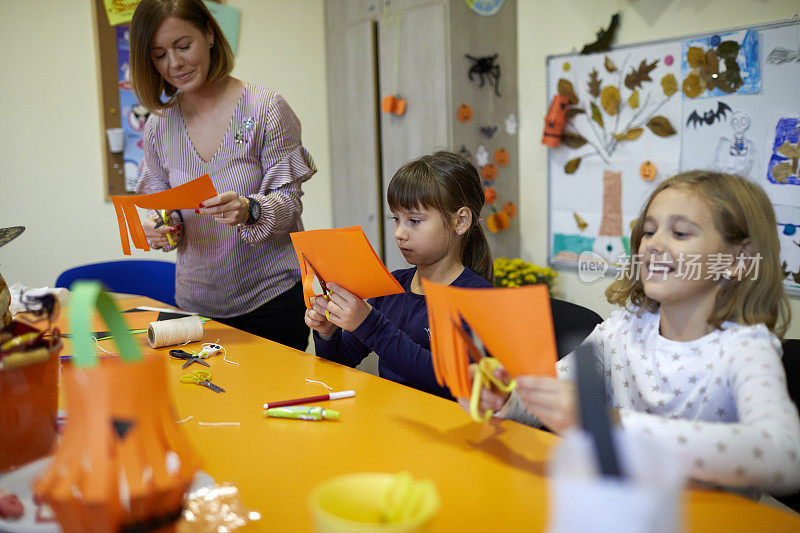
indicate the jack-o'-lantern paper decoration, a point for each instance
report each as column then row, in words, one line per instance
column 555, row 120
column 510, row 208
column 394, row 104
column 501, row 157
column 648, row 171
column 122, row 463
column 489, row 195
column 464, row 113
column 489, row 172
column 498, row 221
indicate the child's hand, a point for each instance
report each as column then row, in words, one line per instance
column 491, row 399
column 315, row 319
column 553, row 400
column 346, row 310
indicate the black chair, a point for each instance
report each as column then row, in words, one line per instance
column 572, row 323
column 791, row 364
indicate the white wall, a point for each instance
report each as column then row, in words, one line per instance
column 51, row 171
column 546, row 28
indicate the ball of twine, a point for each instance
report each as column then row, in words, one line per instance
column 175, row 331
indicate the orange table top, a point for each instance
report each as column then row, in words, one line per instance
column 490, row 476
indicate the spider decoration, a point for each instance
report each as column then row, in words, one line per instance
column 485, row 68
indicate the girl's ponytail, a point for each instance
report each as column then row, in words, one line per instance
column 475, row 252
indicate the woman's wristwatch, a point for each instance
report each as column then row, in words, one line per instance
column 253, row 211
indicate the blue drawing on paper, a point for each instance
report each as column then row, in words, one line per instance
column 737, row 69
column 783, row 167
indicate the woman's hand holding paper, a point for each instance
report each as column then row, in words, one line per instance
column 345, row 309
column 226, row 208
column 157, row 236
column 553, row 400
column 315, row 319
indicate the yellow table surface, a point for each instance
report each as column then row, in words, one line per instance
column 491, row 476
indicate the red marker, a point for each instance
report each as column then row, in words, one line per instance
column 311, row 399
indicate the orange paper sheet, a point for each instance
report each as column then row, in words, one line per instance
column 515, row 325
column 342, row 256
column 186, row 196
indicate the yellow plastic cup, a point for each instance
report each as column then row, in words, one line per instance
column 356, row 503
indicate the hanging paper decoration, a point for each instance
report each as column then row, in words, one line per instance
column 648, row 171
column 511, row 124
column 489, row 172
column 489, row 195
column 488, row 131
column 464, row 113
column 482, row 156
column 485, row 69
column 393, row 104
column 498, row 221
column 555, row 120
column 466, row 153
column 501, row 157
column 122, row 463
column 604, row 37
column 510, row 208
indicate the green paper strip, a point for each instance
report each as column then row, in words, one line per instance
column 85, row 296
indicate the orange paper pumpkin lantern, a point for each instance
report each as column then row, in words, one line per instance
column 510, row 208
column 648, row 171
column 393, row 104
column 497, row 222
column 554, row 121
column 501, row 157
column 489, row 172
column 464, row 113
column 122, row 461
column 489, row 195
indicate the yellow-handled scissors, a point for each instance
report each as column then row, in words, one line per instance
column 201, row 377
column 165, row 220
column 484, row 377
column 326, row 292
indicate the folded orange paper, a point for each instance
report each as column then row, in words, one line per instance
column 345, row 257
column 186, row 196
column 515, row 326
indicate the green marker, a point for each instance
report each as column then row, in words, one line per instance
column 302, row 412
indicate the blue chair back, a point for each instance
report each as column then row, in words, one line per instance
column 155, row 279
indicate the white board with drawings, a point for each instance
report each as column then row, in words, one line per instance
column 639, row 114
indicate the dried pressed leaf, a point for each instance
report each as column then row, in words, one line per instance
column 661, row 126
column 565, row 89
column 633, row 101
column 695, row 57
column 609, row 99
column 728, row 49
column 572, row 165
column 781, row 172
column 789, row 150
column 610, row 66
column 640, row 74
column 630, row 135
column 594, row 83
column 572, row 139
column 572, row 111
column 693, row 86
column 596, row 116
column 669, row 84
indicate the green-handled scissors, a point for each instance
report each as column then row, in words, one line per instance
column 201, row 377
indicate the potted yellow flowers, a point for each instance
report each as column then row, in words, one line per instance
column 516, row 272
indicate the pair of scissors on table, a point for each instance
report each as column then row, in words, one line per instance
column 201, row 377
column 484, row 377
column 188, row 357
column 326, row 292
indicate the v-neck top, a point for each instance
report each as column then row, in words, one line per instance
column 223, row 271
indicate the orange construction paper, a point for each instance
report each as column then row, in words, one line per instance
column 515, row 325
column 345, row 257
column 186, row 196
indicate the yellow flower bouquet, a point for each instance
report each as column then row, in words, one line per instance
column 516, row 272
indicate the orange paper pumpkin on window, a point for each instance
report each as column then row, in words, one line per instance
column 393, row 104
column 501, row 157
column 489, row 195
column 648, row 171
column 489, row 172
column 510, row 209
column 498, row 221
column 122, row 462
column 464, row 113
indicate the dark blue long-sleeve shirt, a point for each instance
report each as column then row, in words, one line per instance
column 397, row 330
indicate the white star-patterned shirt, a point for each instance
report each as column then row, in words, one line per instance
column 719, row 402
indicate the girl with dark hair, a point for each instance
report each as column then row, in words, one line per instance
column 435, row 202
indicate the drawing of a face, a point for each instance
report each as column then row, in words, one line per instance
column 740, row 122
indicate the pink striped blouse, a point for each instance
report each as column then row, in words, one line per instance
column 223, row 271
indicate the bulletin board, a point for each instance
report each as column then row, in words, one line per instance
column 641, row 113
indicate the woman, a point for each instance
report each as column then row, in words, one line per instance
column 235, row 260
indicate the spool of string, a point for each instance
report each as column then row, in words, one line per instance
column 175, row 331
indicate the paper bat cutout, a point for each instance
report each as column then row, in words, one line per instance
column 186, row 196
column 604, row 37
column 515, row 326
column 345, row 257
column 710, row 116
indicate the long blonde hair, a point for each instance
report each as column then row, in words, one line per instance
column 147, row 82
column 742, row 213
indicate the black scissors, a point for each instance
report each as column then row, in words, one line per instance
column 188, row 357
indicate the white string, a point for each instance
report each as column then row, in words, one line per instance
column 184, row 420
column 175, row 331
column 99, row 349
column 321, row 383
column 224, row 352
column 218, row 423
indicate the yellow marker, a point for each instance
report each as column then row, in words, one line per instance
column 165, row 219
